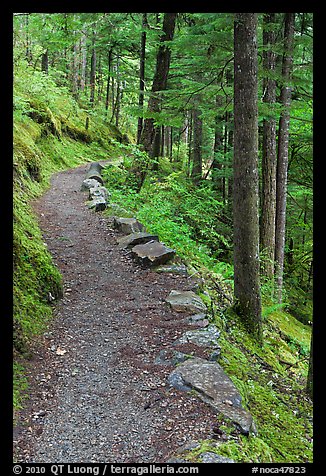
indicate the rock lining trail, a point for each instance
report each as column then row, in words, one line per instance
column 98, row 393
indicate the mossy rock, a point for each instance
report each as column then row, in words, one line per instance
column 41, row 114
column 76, row 133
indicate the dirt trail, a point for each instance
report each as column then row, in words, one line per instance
column 97, row 394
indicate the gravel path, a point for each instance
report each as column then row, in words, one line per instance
column 96, row 393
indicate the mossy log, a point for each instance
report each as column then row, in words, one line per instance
column 94, row 172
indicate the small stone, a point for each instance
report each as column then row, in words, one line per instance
column 134, row 239
column 99, row 204
column 179, row 269
column 89, row 183
column 152, row 253
column 183, row 301
column 98, row 192
column 128, row 225
column 210, row 457
column 214, row 387
column 203, row 337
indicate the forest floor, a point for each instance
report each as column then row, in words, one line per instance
column 96, row 393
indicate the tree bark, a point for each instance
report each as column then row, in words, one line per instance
column 196, row 173
column 269, row 159
column 93, row 71
column 245, row 165
column 310, row 370
column 83, row 61
column 283, row 152
column 75, row 71
column 218, row 141
column 94, row 172
column 159, row 81
column 142, row 74
column 45, row 62
column 107, row 98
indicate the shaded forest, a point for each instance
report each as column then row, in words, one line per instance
column 207, row 118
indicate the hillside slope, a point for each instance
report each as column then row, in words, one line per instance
column 49, row 135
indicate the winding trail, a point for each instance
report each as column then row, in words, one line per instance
column 97, row 394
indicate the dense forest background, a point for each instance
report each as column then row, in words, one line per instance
column 160, row 94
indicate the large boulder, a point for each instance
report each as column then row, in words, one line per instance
column 186, row 301
column 215, row 388
column 152, row 253
column 134, row 239
column 128, row 225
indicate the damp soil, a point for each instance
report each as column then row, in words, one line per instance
column 97, row 393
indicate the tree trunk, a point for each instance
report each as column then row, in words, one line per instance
column 116, row 100
column 93, row 71
column 283, row 150
column 218, row 141
column 310, row 377
column 75, row 71
column 142, row 75
column 159, row 81
column 45, row 62
column 94, row 172
column 162, row 140
column 196, row 173
column 269, row 160
column 83, row 61
column 28, row 53
column 107, row 98
column 156, row 148
column 190, row 141
column 245, row 165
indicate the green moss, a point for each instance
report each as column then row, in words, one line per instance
column 20, row 386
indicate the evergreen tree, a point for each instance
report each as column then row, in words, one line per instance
column 245, row 170
column 283, row 151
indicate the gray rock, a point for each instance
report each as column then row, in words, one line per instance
column 177, row 460
column 203, row 337
column 183, row 301
column 115, row 210
column 175, row 358
column 128, row 225
column 215, row 388
column 98, row 192
column 210, row 457
column 89, row 183
column 98, row 204
column 152, row 253
column 198, row 320
column 215, row 355
column 179, row 269
column 134, row 239
column 175, row 380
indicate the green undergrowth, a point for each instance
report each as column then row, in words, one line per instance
column 271, row 379
column 49, row 135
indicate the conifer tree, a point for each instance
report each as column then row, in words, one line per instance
column 245, row 170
